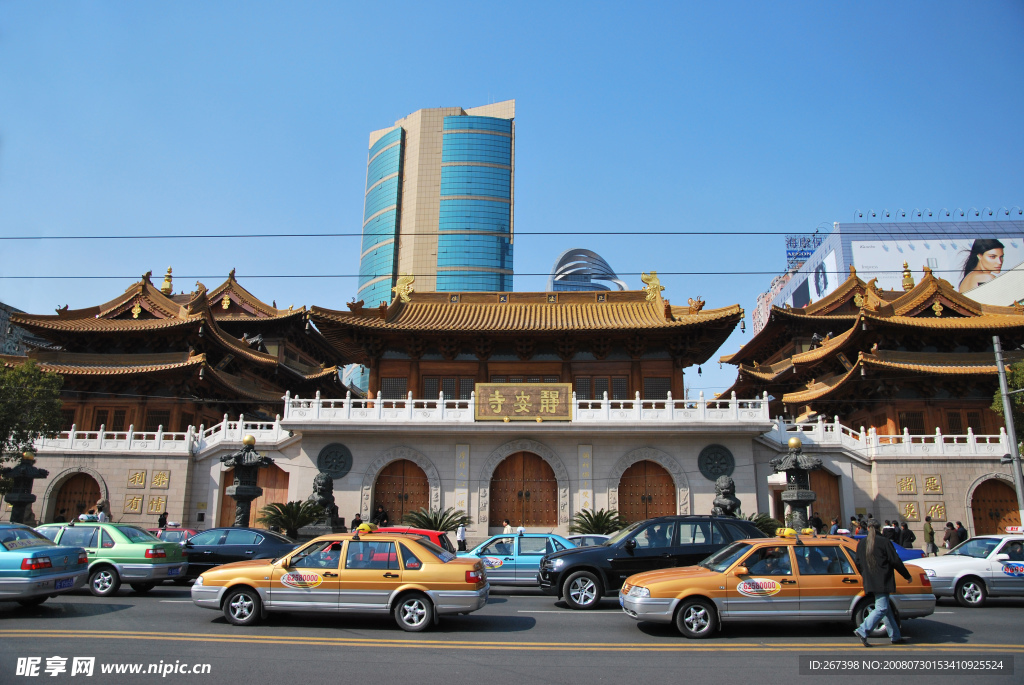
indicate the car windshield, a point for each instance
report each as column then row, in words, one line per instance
column 725, row 557
column 616, row 537
column 136, row 534
column 979, row 548
column 18, row 538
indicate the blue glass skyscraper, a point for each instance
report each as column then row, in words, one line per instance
column 439, row 202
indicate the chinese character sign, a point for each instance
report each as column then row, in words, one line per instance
column 133, row 504
column 136, row 479
column 523, row 401
column 937, row 510
column 933, row 485
column 157, row 505
column 910, row 511
column 906, row 485
column 161, row 479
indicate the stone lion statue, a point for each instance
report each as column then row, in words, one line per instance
column 726, row 502
column 323, row 495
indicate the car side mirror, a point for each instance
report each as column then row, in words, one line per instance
column 742, row 571
column 1002, row 557
column 630, row 544
column 186, row 543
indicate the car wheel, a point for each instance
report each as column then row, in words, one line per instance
column 696, row 618
column 242, row 607
column 582, row 590
column 143, row 588
column 104, row 581
column 970, row 592
column 33, row 601
column 865, row 608
column 414, row 613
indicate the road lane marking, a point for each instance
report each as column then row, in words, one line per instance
column 566, row 612
column 248, row 638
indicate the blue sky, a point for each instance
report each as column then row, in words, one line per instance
column 124, row 118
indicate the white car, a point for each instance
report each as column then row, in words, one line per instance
column 985, row 566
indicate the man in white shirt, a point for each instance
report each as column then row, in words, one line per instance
column 101, row 515
column 460, row 536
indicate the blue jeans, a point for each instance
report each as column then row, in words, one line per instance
column 882, row 610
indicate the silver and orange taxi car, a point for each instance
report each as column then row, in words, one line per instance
column 786, row 578
column 366, row 572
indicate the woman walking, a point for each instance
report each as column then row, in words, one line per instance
column 879, row 563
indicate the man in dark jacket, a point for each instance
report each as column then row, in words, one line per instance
column 961, row 533
column 879, row 563
column 906, row 537
column 381, row 517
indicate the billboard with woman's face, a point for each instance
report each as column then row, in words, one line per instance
column 964, row 262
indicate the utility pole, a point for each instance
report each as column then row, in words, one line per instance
column 1011, row 434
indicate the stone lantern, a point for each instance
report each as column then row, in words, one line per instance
column 247, row 463
column 22, row 475
column 798, row 494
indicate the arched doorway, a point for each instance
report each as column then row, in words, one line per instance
column 401, row 487
column 646, row 490
column 826, row 487
column 994, row 505
column 524, row 490
column 273, row 480
column 77, row 495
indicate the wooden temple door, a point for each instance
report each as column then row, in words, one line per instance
column 401, row 487
column 524, row 491
column 826, row 487
column 646, row 490
column 77, row 496
column 994, row 505
column 274, row 482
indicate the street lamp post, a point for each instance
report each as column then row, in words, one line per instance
column 1011, row 433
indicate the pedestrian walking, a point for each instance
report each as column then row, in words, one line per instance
column 161, row 521
column 834, row 528
column 949, row 539
column 101, row 515
column 880, row 563
column 906, row 537
column 508, row 527
column 929, row 538
column 961, row 533
column 460, row 536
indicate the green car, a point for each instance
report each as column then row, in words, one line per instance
column 120, row 552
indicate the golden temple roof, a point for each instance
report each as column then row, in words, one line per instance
column 527, row 312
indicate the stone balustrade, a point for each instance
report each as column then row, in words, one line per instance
column 866, row 444
column 635, row 411
column 870, row 445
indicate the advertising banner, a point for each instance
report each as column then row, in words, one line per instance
column 966, row 263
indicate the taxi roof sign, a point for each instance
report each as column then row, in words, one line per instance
column 1014, row 529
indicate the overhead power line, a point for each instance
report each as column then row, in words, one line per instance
column 359, row 234
column 544, row 274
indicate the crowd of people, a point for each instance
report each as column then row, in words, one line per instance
column 899, row 533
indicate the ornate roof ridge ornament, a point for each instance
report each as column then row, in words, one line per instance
column 908, row 278
column 653, row 287
column 403, row 287
column 167, row 287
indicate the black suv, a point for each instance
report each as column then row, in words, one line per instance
column 585, row 574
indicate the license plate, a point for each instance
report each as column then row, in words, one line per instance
column 173, row 571
column 64, row 584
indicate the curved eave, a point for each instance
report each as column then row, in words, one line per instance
column 767, row 335
column 68, row 366
column 244, row 296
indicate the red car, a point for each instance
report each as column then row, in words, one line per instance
column 173, row 534
column 438, row 537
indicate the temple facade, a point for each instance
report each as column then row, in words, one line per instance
column 147, row 372
column 534, row 406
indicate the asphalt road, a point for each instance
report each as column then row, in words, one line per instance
column 519, row 637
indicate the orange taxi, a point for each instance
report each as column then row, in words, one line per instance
column 787, row 578
column 365, row 572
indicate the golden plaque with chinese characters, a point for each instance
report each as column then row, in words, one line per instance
column 523, row 401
